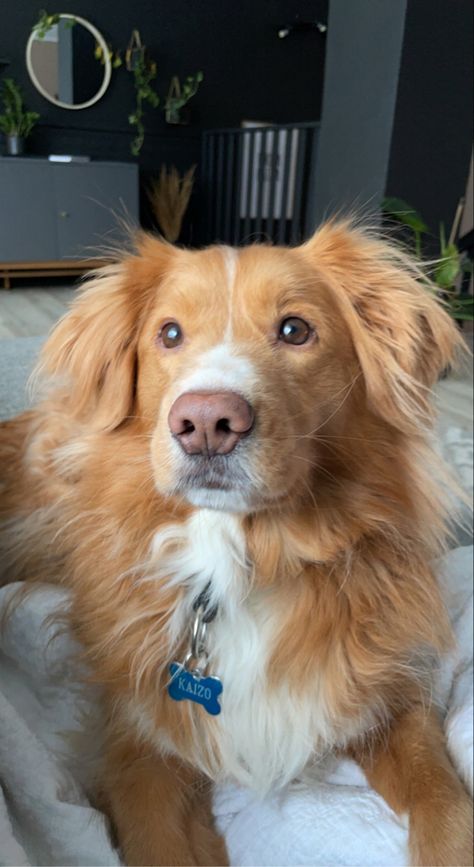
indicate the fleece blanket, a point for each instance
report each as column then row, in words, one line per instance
column 49, row 731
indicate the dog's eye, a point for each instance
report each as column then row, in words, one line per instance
column 295, row 331
column 171, row 335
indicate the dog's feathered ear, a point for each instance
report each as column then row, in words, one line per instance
column 92, row 350
column 402, row 335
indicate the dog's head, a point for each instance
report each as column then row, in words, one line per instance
column 239, row 364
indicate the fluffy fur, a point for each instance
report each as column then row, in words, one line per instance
column 316, row 533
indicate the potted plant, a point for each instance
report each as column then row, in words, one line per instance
column 15, row 123
column 180, row 94
column 450, row 266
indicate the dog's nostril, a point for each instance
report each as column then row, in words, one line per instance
column 188, row 426
column 224, row 425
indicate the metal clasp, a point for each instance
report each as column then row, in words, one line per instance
column 198, row 650
column 203, row 615
column 198, row 635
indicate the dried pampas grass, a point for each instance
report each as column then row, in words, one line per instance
column 169, row 197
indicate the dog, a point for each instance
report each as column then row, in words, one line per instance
column 230, row 468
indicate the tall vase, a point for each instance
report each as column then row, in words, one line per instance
column 15, row 145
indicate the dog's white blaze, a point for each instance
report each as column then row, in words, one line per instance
column 230, row 255
column 221, row 368
column 265, row 737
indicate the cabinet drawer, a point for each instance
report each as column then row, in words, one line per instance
column 27, row 218
column 88, row 199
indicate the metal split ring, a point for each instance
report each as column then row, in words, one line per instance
column 198, row 636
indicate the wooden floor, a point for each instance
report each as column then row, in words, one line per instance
column 32, row 311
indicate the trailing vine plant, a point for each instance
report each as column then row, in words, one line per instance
column 47, row 20
column 114, row 56
column 180, row 94
column 144, row 72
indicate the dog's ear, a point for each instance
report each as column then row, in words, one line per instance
column 402, row 335
column 92, row 350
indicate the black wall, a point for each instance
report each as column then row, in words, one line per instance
column 249, row 72
column 432, row 131
column 252, row 74
column 397, row 113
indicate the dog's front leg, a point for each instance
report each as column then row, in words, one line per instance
column 411, row 769
column 160, row 809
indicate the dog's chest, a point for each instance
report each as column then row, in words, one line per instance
column 264, row 735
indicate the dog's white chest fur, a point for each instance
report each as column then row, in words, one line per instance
column 264, row 736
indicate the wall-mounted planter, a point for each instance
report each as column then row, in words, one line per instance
column 174, row 103
column 135, row 52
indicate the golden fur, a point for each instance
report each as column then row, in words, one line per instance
column 345, row 515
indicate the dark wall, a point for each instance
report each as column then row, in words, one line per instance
column 249, row 72
column 432, row 135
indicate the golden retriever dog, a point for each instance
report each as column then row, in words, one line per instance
column 230, row 469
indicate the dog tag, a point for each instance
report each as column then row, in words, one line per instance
column 192, row 686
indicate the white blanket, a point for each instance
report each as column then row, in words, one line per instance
column 45, row 818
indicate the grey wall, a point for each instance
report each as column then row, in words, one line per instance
column 360, row 88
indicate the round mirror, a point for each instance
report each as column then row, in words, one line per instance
column 68, row 62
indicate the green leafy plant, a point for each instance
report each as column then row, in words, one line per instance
column 47, row 20
column 114, row 55
column 15, row 120
column 403, row 213
column 450, row 265
column 144, row 72
column 180, row 94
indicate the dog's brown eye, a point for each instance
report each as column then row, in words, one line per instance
column 171, row 335
column 295, row 331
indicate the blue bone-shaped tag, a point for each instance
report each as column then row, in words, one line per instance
column 202, row 690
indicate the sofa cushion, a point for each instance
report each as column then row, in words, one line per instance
column 17, row 358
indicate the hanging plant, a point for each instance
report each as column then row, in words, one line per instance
column 144, row 72
column 179, row 95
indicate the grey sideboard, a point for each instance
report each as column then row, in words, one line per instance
column 54, row 217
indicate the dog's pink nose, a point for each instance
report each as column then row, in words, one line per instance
column 210, row 422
